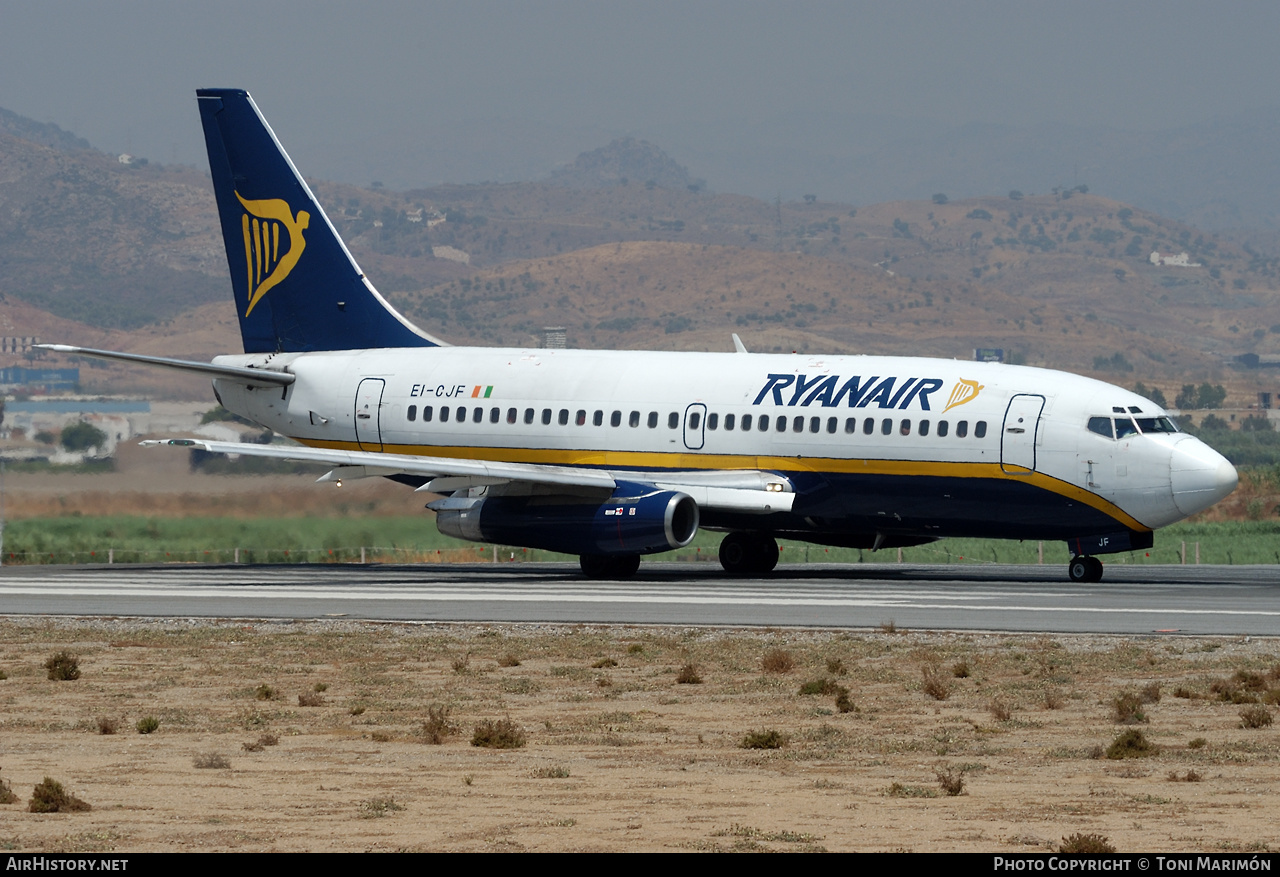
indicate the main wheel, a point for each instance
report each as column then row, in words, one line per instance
column 745, row 554
column 609, row 566
column 1095, row 569
column 1077, row 569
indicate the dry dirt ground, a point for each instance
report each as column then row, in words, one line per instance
column 619, row 754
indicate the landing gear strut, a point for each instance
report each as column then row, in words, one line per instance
column 1085, row 569
column 608, row 566
column 746, row 554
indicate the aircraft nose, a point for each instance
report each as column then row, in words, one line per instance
column 1199, row 476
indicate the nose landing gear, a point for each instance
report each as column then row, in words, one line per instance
column 1085, row 569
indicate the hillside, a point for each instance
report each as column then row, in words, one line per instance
column 625, row 251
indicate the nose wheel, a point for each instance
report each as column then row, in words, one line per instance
column 1085, row 569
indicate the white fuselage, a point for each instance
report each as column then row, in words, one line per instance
column 903, row 434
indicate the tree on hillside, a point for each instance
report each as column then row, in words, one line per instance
column 82, row 436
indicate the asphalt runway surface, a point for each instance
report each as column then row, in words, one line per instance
column 1221, row 600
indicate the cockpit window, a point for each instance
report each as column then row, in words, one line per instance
column 1125, row 428
column 1156, row 424
column 1101, row 425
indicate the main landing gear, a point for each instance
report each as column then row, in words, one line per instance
column 748, row 554
column 608, row 566
column 1085, row 569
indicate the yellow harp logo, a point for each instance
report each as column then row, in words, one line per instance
column 262, row 223
column 964, row 391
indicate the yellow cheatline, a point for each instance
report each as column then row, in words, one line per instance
column 687, row 461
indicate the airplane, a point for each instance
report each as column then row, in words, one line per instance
column 612, row 455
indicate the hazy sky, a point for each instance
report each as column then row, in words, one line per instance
column 424, row 92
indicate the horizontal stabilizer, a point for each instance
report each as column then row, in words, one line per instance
column 254, row 377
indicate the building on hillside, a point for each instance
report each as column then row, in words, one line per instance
column 19, row 379
column 1173, row 260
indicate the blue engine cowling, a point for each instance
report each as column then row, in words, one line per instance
column 635, row 520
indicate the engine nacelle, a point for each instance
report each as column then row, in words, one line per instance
column 633, row 521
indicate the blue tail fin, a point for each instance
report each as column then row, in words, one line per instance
column 296, row 286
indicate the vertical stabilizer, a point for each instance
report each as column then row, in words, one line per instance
column 296, row 285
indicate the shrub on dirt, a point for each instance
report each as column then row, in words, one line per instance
column 999, row 710
column 1131, row 744
column 765, row 739
column 63, row 667
column 551, row 773
column 688, row 675
column 843, row 702
column 1085, row 844
column 264, row 692
column 212, row 761
column 7, row 795
column 147, row 725
column 821, row 686
column 604, row 664
column 1151, row 692
column 310, row 698
column 508, row 660
column 502, row 734
column 935, row 684
column 50, row 797
column 777, row 661
column 950, row 781
column 107, row 726
column 960, row 669
column 836, row 667
column 437, row 727
column 1126, row 709
column 1257, row 716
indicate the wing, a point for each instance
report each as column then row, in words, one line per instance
column 740, row 490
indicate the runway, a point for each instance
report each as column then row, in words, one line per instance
column 1235, row 600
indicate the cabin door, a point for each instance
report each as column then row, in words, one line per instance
column 695, row 417
column 1018, row 437
column 368, row 414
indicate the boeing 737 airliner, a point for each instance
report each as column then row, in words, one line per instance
column 611, row 455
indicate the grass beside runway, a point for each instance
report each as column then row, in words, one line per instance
column 414, row 539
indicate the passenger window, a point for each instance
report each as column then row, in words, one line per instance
column 546, row 416
column 781, row 424
column 477, row 416
column 1125, row 427
column 653, row 420
column 832, row 424
column 511, row 415
column 886, row 426
column 713, row 420
column 746, row 422
column 564, row 417
column 634, row 420
column 980, row 429
column 728, row 422
column 426, row 413
column 495, row 414
column 868, row 426
column 597, row 419
column 797, row 423
column 942, row 429
column 444, row 413
column 615, row 419
column 962, row 429
column 924, row 427
column 580, row 418
column 851, row 425
column 528, row 415
column 695, row 418
column 905, row 427
column 673, row 420
column 815, row 424
column 412, row 413
column 763, row 422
